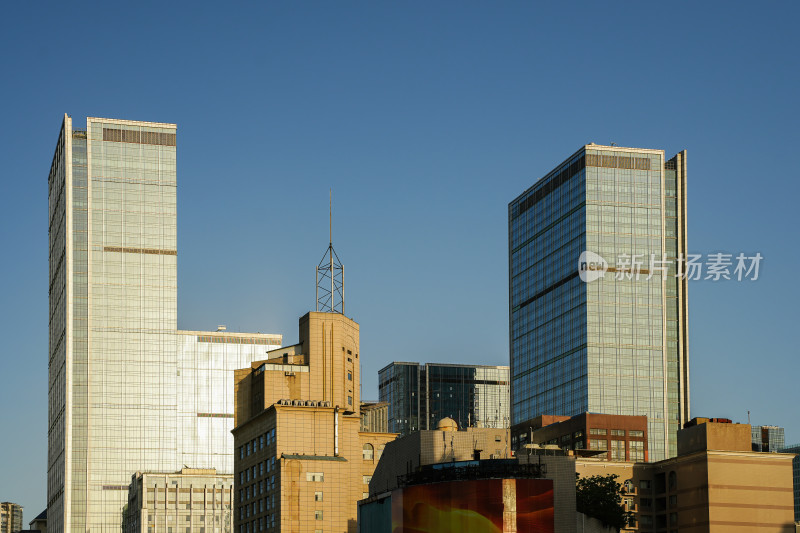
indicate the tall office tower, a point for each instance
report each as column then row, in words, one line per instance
column 128, row 392
column 419, row 395
column 767, row 438
column 617, row 342
column 10, row 517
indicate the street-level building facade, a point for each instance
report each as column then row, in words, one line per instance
column 616, row 343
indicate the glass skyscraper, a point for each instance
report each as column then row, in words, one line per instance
column 127, row 391
column 419, row 395
column 767, row 438
column 616, row 344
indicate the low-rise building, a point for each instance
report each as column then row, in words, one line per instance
column 40, row 522
column 621, row 437
column 716, row 484
column 448, row 453
column 193, row 500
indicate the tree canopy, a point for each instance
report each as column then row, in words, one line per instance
column 601, row 497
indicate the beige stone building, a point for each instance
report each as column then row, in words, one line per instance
column 375, row 416
column 716, row 484
column 193, row 500
column 301, row 462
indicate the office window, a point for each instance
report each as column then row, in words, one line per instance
column 317, row 515
column 368, row 453
column 635, row 433
column 618, row 432
column 367, row 479
column 595, row 444
column 318, row 496
column 597, row 431
column 315, row 476
column 349, row 376
column 636, row 451
column 617, row 450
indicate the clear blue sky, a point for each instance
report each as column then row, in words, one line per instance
column 426, row 119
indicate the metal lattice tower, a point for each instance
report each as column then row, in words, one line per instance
column 330, row 274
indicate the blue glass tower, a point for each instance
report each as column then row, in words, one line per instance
column 617, row 342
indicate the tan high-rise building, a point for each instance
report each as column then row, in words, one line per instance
column 301, row 462
column 10, row 517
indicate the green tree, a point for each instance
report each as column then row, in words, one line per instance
column 601, row 497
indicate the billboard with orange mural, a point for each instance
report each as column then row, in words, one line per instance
column 475, row 506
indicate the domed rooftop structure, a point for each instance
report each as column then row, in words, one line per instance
column 447, row 424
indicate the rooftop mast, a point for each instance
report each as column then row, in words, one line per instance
column 330, row 273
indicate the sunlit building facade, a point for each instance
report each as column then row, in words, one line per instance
column 190, row 500
column 617, row 344
column 127, row 391
column 419, row 395
column 302, row 461
column 10, row 517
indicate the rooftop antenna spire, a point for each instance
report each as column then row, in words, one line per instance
column 330, row 273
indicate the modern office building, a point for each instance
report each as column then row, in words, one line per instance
column 10, row 517
column 128, row 392
column 302, row 462
column 419, row 395
column 616, row 343
column 768, row 438
column 191, row 500
column 795, row 449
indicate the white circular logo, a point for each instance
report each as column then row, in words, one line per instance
column 591, row 266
